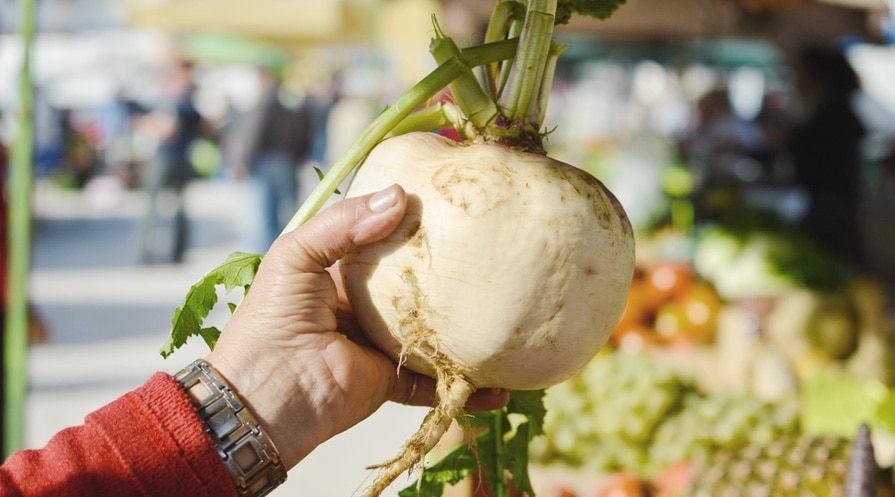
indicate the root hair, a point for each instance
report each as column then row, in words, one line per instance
column 451, row 393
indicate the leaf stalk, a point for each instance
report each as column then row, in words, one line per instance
column 526, row 75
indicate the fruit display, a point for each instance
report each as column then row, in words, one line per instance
column 802, row 465
column 760, row 258
column 668, row 305
column 626, row 412
column 741, row 366
column 806, row 466
column 651, row 433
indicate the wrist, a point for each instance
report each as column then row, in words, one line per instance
column 245, row 448
column 285, row 414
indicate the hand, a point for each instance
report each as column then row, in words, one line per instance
column 291, row 350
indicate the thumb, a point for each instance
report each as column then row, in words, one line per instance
column 340, row 228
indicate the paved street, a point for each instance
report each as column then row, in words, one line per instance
column 108, row 314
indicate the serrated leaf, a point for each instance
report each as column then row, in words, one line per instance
column 210, row 335
column 237, row 271
column 450, row 470
column 531, row 404
column 501, row 448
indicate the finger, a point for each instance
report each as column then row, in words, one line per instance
column 415, row 389
column 340, row 228
column 488, row 399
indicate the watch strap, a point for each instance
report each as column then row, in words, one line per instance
column 246, row 450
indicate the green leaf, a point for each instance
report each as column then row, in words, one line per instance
column 453, row 468
column 237, row 271
column 531, row 404
column 500, row 449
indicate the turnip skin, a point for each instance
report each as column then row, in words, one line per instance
column 515, row 267
column 509, row 270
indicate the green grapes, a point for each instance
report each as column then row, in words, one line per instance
column 708, row 423
column 605, row 417
column 626, row 411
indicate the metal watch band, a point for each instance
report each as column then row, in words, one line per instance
column 247, row 451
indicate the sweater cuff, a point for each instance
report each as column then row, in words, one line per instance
column 158, row 436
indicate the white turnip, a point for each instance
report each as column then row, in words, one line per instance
column 509, row 270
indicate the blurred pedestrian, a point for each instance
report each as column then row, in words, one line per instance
column 825, row 149
column 176, row 123
column 282, row 138
column 722, row 151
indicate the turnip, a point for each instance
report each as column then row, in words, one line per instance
column 510, row 269
column 504, row 259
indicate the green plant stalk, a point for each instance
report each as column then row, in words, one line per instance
column 499, row 28
column 489, row 52
column 531, row 57
column 18, row 243
column 391, row 117
column 538, row 113
column 514, row 32
column 497, row 429
column 442, row 115
column 468, row 93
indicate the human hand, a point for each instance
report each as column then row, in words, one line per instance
column 291, row 350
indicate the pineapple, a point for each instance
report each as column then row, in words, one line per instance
column 798, row 466
column 791, row 466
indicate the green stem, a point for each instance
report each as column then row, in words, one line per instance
column 388, row 119
column 391, row 117
column 501, row 489
column 469, row 95
column 528, row 65
column 505, row 13
column 490, row 52
column 539, row 112
column 434, row 117
column 506, row 68
column 18, row 243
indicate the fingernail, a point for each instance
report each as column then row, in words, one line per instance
column 383, row 200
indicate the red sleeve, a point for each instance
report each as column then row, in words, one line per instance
column 148, row 443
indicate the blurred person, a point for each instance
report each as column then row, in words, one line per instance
column 322, row 98
column 281, row 139
column 722, row 151
column 290, row 371
column 80, row 159
column 176, row 123
column 825, row 149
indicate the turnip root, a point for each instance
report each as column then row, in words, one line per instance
column 510, row 270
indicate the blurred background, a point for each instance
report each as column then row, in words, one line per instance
column 752, row 143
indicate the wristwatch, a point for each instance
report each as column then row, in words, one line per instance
column 247, row 451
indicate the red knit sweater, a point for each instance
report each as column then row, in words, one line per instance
column 148, row 443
